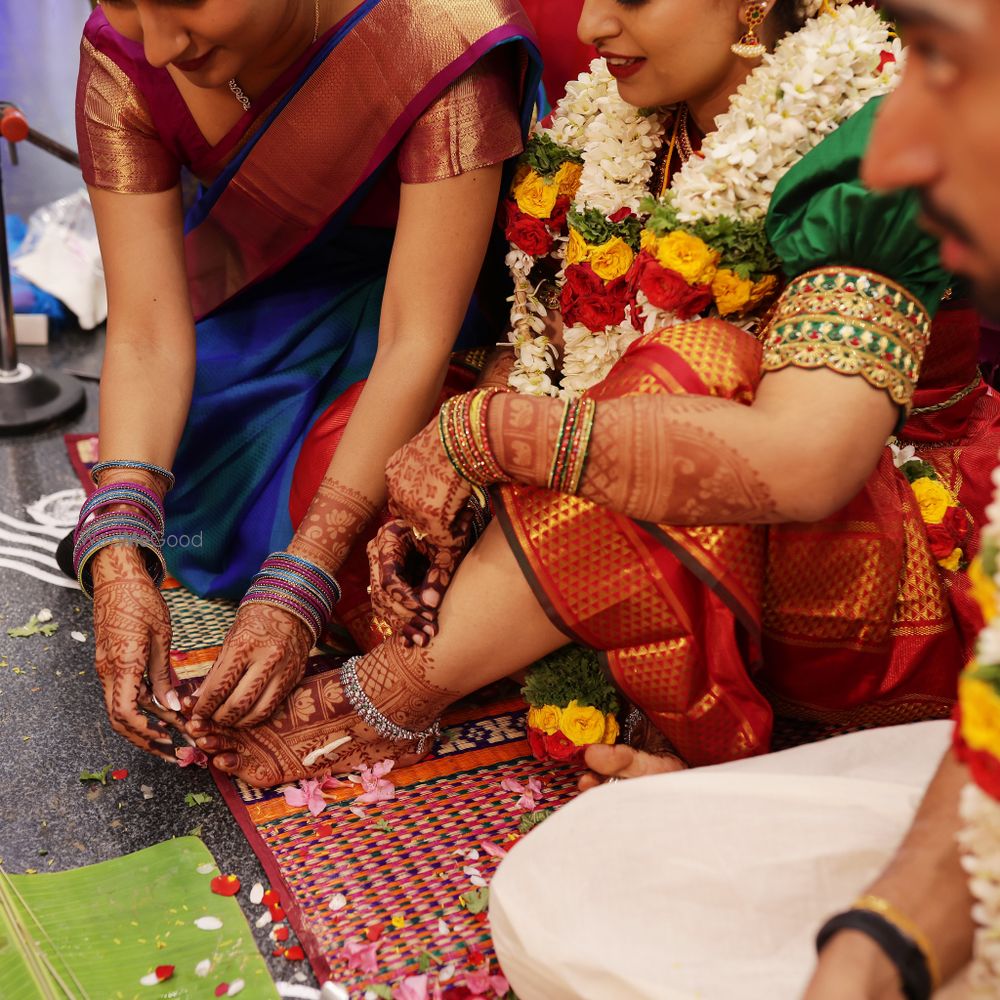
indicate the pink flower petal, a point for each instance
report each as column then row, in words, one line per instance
column 359, row 812
column 478, row 981
column 191, row 757
column 526, row 802
column 500, row 985
column 381, row 791
column 362, row 956
column 535, row 787
column 512, row 785
column 493, row 850
column 411, row 988
column 309, row 794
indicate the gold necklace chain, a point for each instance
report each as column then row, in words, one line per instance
column 680, row 123
column 238, row 91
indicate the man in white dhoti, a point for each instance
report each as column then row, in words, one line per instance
column 712, row 883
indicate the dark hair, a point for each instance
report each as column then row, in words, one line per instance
column 785, row 17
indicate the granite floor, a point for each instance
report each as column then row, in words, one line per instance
column 52, row 719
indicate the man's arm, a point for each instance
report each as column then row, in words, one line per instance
column 924, row 881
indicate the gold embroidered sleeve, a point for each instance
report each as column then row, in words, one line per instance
column 475, row 123
column 853, row 322
column 119, row 147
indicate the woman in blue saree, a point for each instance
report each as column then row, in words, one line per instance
column 274, row 348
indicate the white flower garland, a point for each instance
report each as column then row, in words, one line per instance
column 815, row 79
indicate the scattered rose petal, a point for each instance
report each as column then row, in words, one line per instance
column 411, row 988
column 478, row 881
column 222, row 989
column 269, row 898
column 374, row 932
column 500, row 985
column 208, row 923
column 295, row 953
column 225, row 885
column 147, row 791
column 236, row 986
column 470, row 870
column 207, row 869
column 446, row 972
column 78, row 636
column 159, row 975
column 300, row 977
column 121, row 774
column 473, row 855
column 362, row 957
column 476, row 956
column 478, row 981
column 277, row 913
column 337, row 901
column 359, row 812
column 493, row 850
column 264, row 919
column 203, row 968
column 398, row 921
column 443, row 928
column 257, row 894
column 280, row 933
column 191, row 757
column 324, row 830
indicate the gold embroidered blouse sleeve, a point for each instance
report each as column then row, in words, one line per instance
column 853, row 322
column 475, row 123
column 120, row 150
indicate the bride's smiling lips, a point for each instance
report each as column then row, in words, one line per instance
column 622, row 67
column 193, row 65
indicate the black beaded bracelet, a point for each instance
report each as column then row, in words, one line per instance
column 901, row 950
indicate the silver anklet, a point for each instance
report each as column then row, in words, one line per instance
column 369, row 714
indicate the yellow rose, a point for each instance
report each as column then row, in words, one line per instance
column 980, row 715
column 610, row 729
column 689, row 256
column 953, row 561
column 545, row 718
column 568, row 179
column 649, row 241
column 520, row 173
column 612, row 259
column 577, row 250
column 534, row 197
column 731, row 292
column 582, row 724
column 933, row 499
column 763, row 289
column 983, row 590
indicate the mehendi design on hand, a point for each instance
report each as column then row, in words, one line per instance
column 646, row 463
column 396, row 677
column 336, row 517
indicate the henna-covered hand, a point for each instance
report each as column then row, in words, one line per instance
column 263, row 657
column 132, row 635
column 409, row 578
column 426, row 491
column 336, row 517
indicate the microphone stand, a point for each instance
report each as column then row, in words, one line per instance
column 29, row 398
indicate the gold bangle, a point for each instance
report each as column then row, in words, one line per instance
column 885, row 909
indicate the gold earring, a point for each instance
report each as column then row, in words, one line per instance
column 750, row 46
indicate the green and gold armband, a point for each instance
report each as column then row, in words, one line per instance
column 853, row 322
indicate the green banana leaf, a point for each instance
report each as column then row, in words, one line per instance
column 93, row 933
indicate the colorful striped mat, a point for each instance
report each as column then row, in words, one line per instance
column 405, row 870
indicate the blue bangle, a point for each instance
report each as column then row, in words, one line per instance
column 124, row 463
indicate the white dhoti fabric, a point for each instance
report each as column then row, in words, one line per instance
column 709, row 883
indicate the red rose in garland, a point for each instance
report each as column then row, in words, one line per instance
column 558, row 218
column 667, row 290
column 949, row 535
column 536, row 741
column 561, row 747
column 587, row 300
column 527, row 233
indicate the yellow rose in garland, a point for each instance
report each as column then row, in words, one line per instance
column 690, row 257
column 980, row 714
column 583, row 724
column 568, row 179
column 535, row 197
column 933, row 498
column 983, row 589
column 610, row 729
column 546, row 718
column 732, row 293
column 612, row 259
column 577, row 249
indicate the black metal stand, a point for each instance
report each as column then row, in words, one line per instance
column 29, row 399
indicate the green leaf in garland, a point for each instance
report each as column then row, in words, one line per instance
column 546, row 156
column 530, row 820
column 570, row 672
column 593, row 225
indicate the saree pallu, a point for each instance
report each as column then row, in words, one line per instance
column 713, row 631
column 287, row 291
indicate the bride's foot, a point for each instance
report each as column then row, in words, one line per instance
column 622, row 761
column 316, row 731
